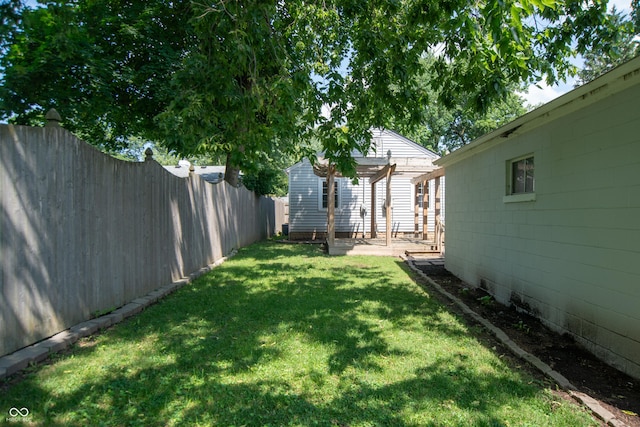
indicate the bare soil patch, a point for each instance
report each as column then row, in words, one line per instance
column 617, row 392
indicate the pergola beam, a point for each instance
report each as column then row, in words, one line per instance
column 382, row 173
column 436, row 173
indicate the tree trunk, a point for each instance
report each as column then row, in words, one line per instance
column 232, row 172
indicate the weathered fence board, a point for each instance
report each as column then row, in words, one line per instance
column 82, row 232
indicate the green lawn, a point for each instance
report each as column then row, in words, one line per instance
column 285, row 335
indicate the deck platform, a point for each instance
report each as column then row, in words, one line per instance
column 378, row 247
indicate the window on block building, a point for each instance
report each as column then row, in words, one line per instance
column 522, row 177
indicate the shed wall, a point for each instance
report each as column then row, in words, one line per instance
column 571, row 256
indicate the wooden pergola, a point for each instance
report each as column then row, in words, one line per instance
column 423, row 180
column 376, row 169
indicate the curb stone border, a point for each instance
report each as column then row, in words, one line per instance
column 587, row 401
column 21, row 359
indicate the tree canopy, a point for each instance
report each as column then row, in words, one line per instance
column 104, row 65
column 251, row 80
column 623, row 46
column 445, row 128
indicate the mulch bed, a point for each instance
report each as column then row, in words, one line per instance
column 617, row 392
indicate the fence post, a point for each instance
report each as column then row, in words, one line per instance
column 53, row 119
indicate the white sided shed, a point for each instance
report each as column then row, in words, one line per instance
column 308, row 193
column 544, row 213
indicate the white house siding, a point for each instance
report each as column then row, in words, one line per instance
column 385, row 140
column 572, row 256
column 306, row 217
column 305, row 213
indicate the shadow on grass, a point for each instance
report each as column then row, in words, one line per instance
column 213, row 340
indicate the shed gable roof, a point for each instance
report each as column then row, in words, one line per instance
column 409, row 155
column 404, row 147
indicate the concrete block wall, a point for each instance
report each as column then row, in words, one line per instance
column 572, row 255
column 82, row 232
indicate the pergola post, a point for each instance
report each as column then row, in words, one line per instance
column 434, row 175
column 388, row 206
column 416, row 207
column 386, row 172
column 374, row 233
column 437, row 211
column 425, row 210
column 331, row 206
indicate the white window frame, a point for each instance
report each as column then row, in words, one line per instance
column 338, row 196
column 416, row 193
column 525, row 196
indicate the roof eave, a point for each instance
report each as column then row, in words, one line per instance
column 616, row 80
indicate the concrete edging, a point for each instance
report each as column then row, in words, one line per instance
column 21, row 359
column 582, row 398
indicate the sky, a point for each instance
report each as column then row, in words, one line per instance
column 545, row 93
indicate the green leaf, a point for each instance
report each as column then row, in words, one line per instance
column 235, row 77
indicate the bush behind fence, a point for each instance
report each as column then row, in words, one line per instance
column 82, row 232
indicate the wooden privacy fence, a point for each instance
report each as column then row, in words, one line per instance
column 82, row 232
